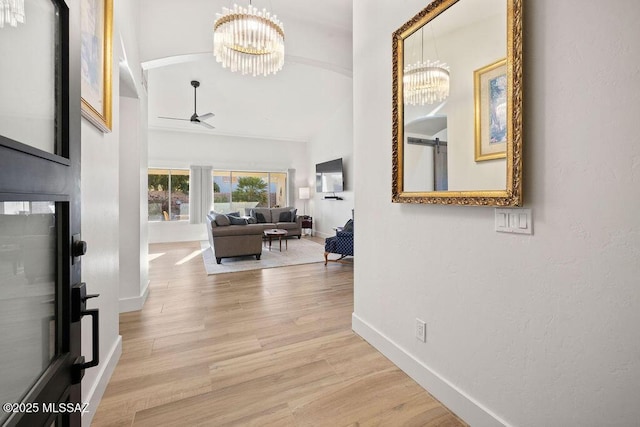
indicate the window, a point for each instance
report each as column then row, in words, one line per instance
column 168, row 198
column 239, row 191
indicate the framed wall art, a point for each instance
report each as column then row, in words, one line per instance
column 96, row 61
column 490, row 96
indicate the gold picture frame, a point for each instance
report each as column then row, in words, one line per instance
column 96, row 61
column 491, row 111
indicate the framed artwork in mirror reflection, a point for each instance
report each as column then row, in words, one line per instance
column 490, row 96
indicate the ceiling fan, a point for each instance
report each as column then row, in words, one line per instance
column 195, row 118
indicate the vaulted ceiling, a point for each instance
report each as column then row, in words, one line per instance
column 176, row 40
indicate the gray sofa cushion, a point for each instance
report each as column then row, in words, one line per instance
column 237, row 221
column 275, row 213
column 266, row 212
column 285, row 216
column 222, row 220
column 237, row 230
column 271, row 219
column 286, row 225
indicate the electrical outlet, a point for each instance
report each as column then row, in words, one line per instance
column 421, row 330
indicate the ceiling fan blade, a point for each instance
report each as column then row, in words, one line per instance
column 195, row 118
column 207, row 125
column 172, row 118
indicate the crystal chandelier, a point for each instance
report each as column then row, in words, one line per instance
column 11, row 12
column 248, row 40
column 425, row 82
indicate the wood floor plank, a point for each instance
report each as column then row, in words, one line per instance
column 269, row 347
column 347, row 403
column 245, row 399
column 242, row 369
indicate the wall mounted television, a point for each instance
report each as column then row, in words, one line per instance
column 329, row 177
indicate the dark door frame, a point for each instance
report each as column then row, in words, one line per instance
column 29, row 174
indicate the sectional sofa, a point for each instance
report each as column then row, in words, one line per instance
column 234, row 235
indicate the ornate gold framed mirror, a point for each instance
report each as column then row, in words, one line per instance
column 457, row 104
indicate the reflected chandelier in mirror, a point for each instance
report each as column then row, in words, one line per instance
column 457, row 104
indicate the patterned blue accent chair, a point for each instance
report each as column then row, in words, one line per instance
column 341, row 243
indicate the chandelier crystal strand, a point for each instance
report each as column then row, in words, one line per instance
column 248, row 40
column 11, row 12
column 425, row 82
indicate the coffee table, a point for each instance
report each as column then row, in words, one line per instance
column 276, row 232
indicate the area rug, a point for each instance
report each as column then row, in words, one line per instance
column 300, row 251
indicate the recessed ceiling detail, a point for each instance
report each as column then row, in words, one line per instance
column 312, row 91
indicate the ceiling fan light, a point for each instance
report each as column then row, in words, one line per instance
column 248, row 41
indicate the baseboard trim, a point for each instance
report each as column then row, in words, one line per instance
column 97, row 391
column 324, row 235
column 453, row 398
column 134, row 303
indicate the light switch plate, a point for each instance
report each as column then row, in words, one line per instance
column 514, row 220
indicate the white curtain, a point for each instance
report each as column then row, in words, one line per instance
column 200, row 193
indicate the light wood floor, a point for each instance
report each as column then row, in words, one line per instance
column 260, row 348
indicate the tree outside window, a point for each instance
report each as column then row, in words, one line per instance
column 168, row 197
column 251, row 189
column 241, row 191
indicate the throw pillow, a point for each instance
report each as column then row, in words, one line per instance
column 251, row 220
column 285, row 217
column 236, row 214
column 260, row 218
column 237, row 220
column 293, row 212
column 348, row 226
column 222, row 220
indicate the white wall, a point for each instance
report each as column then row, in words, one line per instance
column 180, row 150
column 100, row 266
column 464, row 172
column 143, row 191
column 112, row 198
column 333, row 141
column 133, row 166
column 419, row 164
column 133, row 246
column 522, row 330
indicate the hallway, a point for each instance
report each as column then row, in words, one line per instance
column 265, row 347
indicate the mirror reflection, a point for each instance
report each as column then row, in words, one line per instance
column 455, row 102
column 439, row 131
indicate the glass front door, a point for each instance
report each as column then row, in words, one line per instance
column 40, row 357
column 28, row 296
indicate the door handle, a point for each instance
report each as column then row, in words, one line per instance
column 79, row 299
